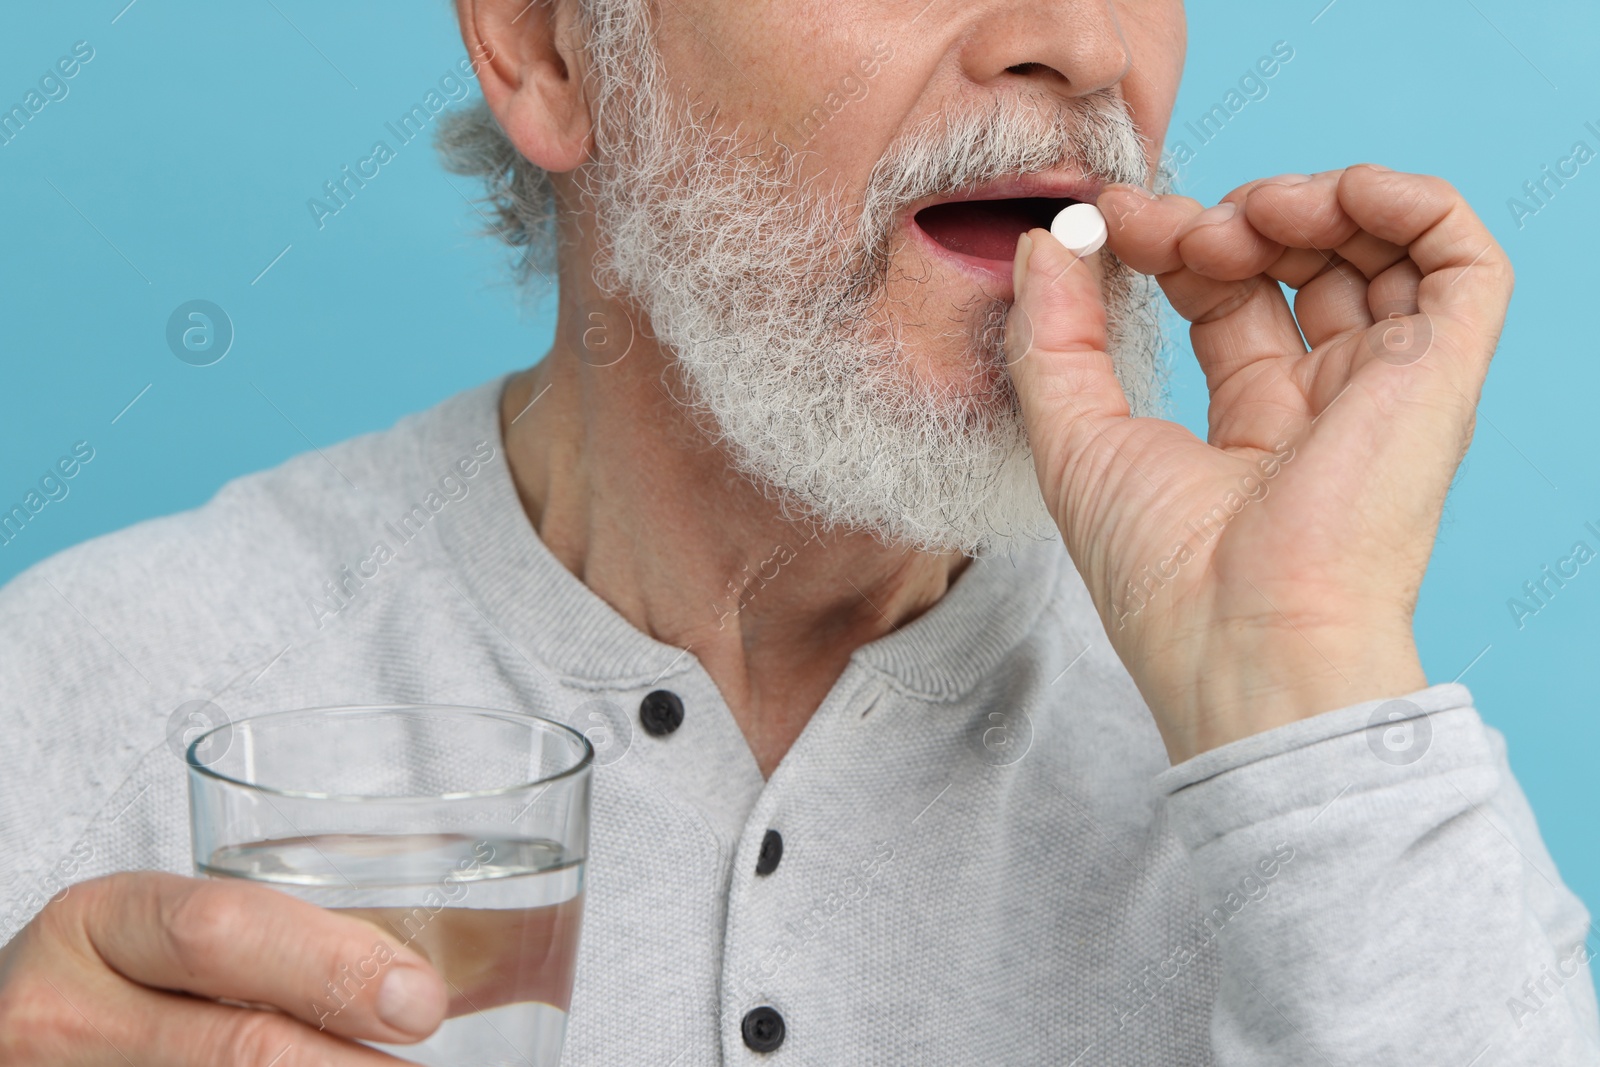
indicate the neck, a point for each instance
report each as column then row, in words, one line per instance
column 636, row 502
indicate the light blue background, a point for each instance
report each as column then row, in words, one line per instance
column 180, row 165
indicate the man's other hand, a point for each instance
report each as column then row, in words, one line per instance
column 134, row 968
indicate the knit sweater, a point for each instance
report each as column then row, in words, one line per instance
column 987, row 858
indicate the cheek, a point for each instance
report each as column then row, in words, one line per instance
column 824, row 75
column 759, row 65
column 1157, row 34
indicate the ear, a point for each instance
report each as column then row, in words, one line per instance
column 530, row 67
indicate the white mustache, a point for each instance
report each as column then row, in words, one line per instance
column 1093, row 136
column 946, row 153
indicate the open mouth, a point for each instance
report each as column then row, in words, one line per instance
column 987, row 229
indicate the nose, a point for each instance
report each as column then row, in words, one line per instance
column 1070, row 47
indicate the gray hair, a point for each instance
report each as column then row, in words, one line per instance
column 521, row 197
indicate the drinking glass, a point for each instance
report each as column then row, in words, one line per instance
column 461, row 831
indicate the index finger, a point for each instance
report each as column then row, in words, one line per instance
column 250, row 943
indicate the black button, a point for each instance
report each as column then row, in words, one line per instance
column 661, row 712
column 762, row 1029
column 771, row 853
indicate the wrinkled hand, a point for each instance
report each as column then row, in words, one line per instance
column 131, row 968
column 1269, row 572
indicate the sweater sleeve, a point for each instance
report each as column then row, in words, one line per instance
column 1379, row 893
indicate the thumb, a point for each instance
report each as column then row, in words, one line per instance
column 1056, row 342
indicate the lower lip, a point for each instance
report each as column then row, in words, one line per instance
column 996, row 272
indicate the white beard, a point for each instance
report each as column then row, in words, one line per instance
column 770, row 298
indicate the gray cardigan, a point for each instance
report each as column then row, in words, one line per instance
column 987, row 859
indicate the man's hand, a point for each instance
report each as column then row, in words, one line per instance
column 1268, row 573
column 129, row 969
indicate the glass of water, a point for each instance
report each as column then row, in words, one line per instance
column 461, row 831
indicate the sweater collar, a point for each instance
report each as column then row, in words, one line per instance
column 514, row 581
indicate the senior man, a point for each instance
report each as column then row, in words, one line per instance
column 956, row 709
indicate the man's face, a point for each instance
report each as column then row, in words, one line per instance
column 840, row 80
column 817, row 204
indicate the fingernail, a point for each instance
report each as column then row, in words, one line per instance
column 1019, row 265
column 1138, row 189
column 1380, row 166
column 1287, row 179
column 410, row 1000
column 1213, row 215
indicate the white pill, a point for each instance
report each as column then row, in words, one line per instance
column 1081, row 228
